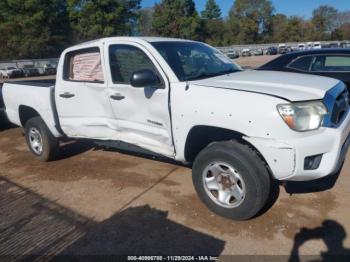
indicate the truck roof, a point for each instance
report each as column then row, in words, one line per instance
column 133, row 38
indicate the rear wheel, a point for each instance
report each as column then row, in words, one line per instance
column 231, row 180
column 40, row 140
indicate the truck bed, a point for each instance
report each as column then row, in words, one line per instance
column 39, row 83
column 37, row 95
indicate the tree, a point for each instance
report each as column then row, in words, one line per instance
column 342, row 32
column 279, row 26
column 345, row 29
column 295, row 29
column 33, row 28
column 213, row 32
column 176, row 18
column 102, row 18
column 211, row 11
column 250, row 21
column 145, row 22
column 324, row 21
column 213, row 27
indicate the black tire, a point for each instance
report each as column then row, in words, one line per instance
column 50, row 145
column 246, row 162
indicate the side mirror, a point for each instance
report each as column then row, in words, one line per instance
column 145, row 78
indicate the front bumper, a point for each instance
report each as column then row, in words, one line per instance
column 286, row 158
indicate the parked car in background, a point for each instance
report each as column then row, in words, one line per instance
column 325, row 62
column 272, row 50
column 30, row 70
column 282, row 49
column 309, row 45
column 258, row 51
column 331, row 45
column 267, row 126
column 49, row 69
column 316, row 45
column 10, row 72
column 345, row 44
column 246, row 52
column 293, row 48
column 232, row 54
column 334, row 45
column 301, row 47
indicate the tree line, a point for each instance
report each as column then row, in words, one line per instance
column 43, row 28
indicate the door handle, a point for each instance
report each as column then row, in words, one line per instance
column 67, row 95
column 117, row 97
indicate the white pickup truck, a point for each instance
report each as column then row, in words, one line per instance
column 240, row 131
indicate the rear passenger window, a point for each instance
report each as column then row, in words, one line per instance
column 84, row 66
column 125, row 60
column 301, row 63
column 331, row 63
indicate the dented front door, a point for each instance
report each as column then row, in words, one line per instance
column 142, row 114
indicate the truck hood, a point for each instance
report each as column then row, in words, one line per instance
column 289, row 86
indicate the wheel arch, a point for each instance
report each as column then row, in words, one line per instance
column 25, row 113
column 201, row 136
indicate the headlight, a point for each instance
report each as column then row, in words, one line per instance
column 303, row 116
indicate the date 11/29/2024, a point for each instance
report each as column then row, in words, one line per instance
column 172, row 258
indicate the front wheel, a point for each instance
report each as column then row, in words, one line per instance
column 231, row 180
column 40, row 140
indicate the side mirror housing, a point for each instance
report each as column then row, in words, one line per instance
column 145, row 78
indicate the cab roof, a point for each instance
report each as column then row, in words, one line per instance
column 148, row 39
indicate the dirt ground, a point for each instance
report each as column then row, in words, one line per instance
column 95, row 200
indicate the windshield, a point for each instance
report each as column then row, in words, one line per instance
column 193, row 61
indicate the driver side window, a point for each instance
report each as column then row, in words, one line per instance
column 125, row 60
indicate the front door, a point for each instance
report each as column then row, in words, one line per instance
column 142, row 113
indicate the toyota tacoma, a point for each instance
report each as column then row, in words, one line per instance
column 240, row 131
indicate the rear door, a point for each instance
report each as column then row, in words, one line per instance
column 82, row 96
column 142, row 113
